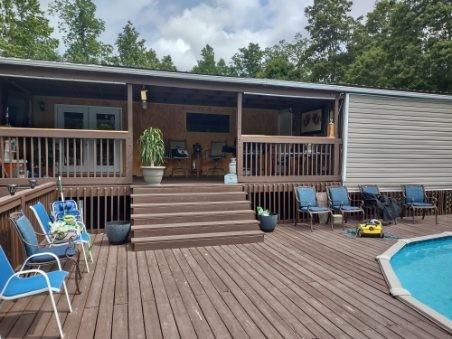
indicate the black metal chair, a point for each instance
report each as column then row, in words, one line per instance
column 178, row 152
column 216, row 155
column 415, row 199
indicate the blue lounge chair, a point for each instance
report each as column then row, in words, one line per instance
column 44, row 221
column 369, row 194
column 340, row 201
column 24, row 283
column 415, row 199
column 29, row 239
column 307, row 204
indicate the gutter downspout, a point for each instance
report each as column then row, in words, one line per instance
column 345, row 140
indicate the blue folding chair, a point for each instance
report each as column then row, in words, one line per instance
column 34, row 250
column 44, row 221
column 307, row 204
column 340, row 201
column 24, row 283
column 415, row 199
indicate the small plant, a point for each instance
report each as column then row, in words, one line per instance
column 152, row 147
column 262, row 212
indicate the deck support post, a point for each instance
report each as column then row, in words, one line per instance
column 239, row 137
column 336, row 164
column 129, row 140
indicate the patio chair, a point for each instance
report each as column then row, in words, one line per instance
column 44, row 222
column 34, row 250
column 216, row 155
column 178, row 152
column 307, row 204
column 416, row 199
column 25, row 283
column 340, row 201
column 369, row 195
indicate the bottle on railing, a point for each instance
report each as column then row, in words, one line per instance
column 331, row 129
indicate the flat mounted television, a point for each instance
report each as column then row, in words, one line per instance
column 209, row 123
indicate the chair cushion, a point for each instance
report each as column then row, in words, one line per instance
column 350, row 208
column 339, row 196
column 414, row 194
column 315, row 209
column 28, row 234
column 306, row 197
column 35, row 284
column 370, row 189
column 59, row 251
column 422, row 204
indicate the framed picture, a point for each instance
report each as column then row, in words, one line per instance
column 311, row 122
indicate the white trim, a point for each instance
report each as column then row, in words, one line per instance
column 345, row 139
column 395, row 287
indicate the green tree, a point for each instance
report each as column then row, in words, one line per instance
column 25, row 32
column 132, row 50
column 166, row 64
column 81, row 31
column 404, row 44
column 330, row 26
column 207, row 63
column 287, row 60
column 247, row 62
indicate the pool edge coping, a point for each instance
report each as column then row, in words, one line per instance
column 396, row 289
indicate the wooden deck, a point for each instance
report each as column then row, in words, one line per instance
column 295, row 284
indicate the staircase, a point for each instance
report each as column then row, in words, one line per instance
column 191, row 215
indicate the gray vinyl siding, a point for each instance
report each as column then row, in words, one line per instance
column 394, row 141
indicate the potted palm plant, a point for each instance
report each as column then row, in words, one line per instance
column 152, row 153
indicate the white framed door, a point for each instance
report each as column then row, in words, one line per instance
column 100, row 155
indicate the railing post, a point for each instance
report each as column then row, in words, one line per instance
column 129, row 140
column 239, row 137
column 336, row 146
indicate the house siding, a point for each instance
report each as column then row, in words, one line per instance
column 394, row 141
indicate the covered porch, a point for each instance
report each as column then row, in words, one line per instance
column 89, row 130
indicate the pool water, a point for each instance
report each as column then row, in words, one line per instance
column 425, row 269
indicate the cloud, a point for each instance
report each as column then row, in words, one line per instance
column 182, row 27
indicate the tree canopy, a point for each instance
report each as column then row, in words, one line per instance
column 81, row 31
column 25, row 31
column 403, row 44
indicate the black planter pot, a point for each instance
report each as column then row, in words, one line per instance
column 117, row 231
column 268, row 222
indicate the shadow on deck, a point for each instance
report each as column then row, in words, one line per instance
column 295, row 284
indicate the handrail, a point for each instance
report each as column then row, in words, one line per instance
column 11, row 201
column 280, row 139
column 14, row 132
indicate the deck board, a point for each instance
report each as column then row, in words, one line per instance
column 297, row 283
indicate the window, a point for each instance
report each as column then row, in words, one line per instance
column 212, row 123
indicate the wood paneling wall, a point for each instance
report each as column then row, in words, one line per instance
column 169, row 117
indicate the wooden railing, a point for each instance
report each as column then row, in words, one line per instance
column 92, row 155
column 288, row 159
column 22, row 200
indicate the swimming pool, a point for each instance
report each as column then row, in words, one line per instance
column 419, row 273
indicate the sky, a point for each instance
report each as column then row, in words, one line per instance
column 182, row 27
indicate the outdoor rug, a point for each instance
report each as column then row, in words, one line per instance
column 351, row 233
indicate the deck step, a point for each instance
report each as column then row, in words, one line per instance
column 190, row 206
column 180, row 217
column 213, row 188
column 187, row 197
column 193, row 240
column 194, row 228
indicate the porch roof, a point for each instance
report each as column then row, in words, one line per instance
column 121, row 75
